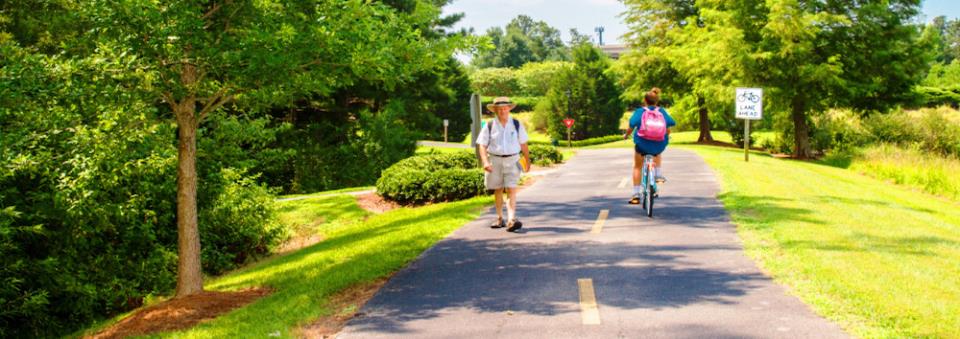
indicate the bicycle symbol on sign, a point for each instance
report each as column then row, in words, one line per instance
column 748, row 96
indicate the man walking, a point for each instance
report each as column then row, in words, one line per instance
column 500, row 143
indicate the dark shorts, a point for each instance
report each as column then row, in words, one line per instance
column 644, row 151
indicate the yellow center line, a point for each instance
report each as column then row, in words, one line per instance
column 623, row 183
column 598, row 226
column 588, row 302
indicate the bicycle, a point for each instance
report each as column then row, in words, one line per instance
column 649, row 183
column 749, row 96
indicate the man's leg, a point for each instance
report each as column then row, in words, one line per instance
column 498, row 202
column 512, row 204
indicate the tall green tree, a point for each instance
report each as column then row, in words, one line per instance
column 589, row 93
column 207, row 54
column 650, row 62
column 523, row 40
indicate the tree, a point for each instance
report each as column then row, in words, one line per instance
column 204, row 55
column 522, row 40
column 649, row 64
column 809, row 55
column 594, row 96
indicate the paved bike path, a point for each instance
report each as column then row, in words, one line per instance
column 681, row 274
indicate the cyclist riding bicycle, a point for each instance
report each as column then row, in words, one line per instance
column 650, row 126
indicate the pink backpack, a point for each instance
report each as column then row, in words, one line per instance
column 653, row 126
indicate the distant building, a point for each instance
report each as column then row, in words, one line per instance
column 614, row 51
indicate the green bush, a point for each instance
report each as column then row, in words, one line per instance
column 545, row 155
column 895, row 128
column 432, row 178
column 495, row 82
column 535, row 78
column 584, row 142
column 241, row 224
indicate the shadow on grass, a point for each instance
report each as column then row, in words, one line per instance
column 770, row 210
column 907, row 245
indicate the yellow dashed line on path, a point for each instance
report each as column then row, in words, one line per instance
column 598, row 226
column 588, row 302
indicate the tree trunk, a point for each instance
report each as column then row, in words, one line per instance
column 705, row 135
column 189, row 275
column 801, row 130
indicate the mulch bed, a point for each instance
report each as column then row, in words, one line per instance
column 375, row 203
column 180, row 314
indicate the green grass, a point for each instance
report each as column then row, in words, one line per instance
column 877, row 258
column 924, row 170
column 344, row 190
column 676, row 138
column 351, row 254
column 320, row 215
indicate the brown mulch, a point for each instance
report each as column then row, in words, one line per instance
column 375, row 203
column 345, row 306
column 183, row 313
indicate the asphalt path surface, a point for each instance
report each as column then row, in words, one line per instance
column 681, row 274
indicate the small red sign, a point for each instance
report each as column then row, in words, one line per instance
column 568, row 122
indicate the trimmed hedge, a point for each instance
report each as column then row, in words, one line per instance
column 584, row 142
column 432, row 178
column 545, row 155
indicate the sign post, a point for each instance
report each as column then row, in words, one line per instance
column 475, row 122
column 569, row 123
column 446, row 123
column 749, row 103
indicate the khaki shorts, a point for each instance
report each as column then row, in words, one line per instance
column 506, row 172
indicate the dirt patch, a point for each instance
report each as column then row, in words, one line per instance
column 375, row 203
column 345, row 306
column 299, row 242
column 179, row 314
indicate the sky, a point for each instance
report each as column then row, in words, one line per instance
column 585, row 15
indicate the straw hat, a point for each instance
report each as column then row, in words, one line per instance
column 500, row 101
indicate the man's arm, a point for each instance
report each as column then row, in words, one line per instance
column 484, row 159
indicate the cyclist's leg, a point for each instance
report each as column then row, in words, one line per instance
column 657, row 161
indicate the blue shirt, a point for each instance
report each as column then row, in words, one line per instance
column 649, row 146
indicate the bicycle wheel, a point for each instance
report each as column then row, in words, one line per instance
column 648, row 199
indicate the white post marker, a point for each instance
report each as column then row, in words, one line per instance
column 749, row 102
column 445, row 124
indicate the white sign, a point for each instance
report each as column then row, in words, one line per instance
column 749, row 103
column 446, row 122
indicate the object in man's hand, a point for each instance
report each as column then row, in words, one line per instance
column 524, row 164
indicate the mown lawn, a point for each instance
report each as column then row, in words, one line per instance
column 881, row 260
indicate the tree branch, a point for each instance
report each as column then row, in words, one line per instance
column 215, row 102
column 168, row 97
column 211, row 12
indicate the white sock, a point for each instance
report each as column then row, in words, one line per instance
column 512, row 215
column 656, row 172
column 636, row 189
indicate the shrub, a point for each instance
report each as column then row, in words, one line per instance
column 535, row 78
column 495, row 82
column 545, row 155
column 432, row 178
column 241, row 224
column 891, row 128
column 584, row 142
